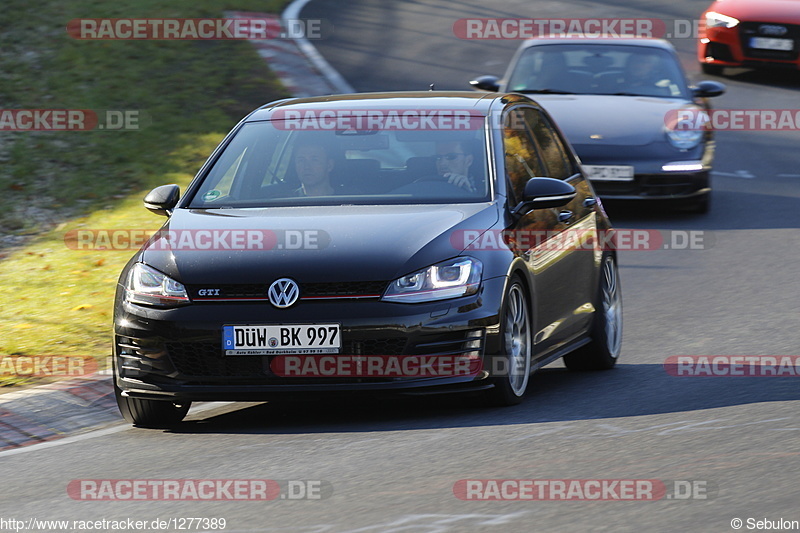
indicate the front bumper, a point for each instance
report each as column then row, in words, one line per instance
column 728, row 47
column 177, row 354
column 666, row 186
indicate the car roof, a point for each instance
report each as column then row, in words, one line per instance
column 442, row 100
column 643, row 42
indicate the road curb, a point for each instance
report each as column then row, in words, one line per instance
column 56, row 410
column 296, row 62
column 333, row 77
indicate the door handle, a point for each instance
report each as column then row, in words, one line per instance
column 590, row 202
column 565, row 216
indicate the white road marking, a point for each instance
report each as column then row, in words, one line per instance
column 292, row 13
column 99, row 432
column 738, row 174
column 67, row 440
column 602, row 431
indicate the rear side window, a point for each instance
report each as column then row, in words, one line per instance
column 521, row 154
column 552, row 150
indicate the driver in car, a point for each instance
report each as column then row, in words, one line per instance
column 453, row 161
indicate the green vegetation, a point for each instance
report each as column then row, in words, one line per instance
column 57, row 300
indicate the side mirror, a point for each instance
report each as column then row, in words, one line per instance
column 708, row 89
column 544, row 193
column 486, row 83
column 162, row 200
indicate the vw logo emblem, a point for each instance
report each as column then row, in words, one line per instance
column 772, row 29
column 283, row 293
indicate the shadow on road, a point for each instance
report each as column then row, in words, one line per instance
column 777, row 78
column 555, row 395
column 731, row 210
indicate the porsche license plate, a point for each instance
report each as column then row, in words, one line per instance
column 609, row 172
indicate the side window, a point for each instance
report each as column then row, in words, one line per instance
column 551, row 148
column 521, row 157
column 229, row 167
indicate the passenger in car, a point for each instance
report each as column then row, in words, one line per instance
column 314, row 164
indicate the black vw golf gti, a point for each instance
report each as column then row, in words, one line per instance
column 392, row 243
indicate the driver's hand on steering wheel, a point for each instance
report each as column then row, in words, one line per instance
column 459, row 180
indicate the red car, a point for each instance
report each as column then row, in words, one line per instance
column 749, row 33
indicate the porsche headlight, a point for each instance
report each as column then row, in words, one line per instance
column 450, row 279
column 148, row 286
column 684, row 139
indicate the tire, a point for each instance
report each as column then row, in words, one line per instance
column 603, row 350
column 702, row 206
column 155, row 414
column 515, row 352
column 699, row 205
column 713, row 70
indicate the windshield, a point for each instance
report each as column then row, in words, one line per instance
column 598, row 69
column 271, row 163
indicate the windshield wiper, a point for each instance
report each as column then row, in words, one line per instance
column 542, row 91
column 629, row 94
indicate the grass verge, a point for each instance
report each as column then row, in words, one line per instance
column 57, row 300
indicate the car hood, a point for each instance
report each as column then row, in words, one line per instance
column 781, row 11
column 340, row 243
column 610, row 120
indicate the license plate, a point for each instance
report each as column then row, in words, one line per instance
column 281, row 339
column 609, row 172
column 766, row 43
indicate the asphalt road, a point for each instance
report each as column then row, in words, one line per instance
column 392, row 465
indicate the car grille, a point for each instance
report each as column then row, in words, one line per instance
column 387, row 346
column 137, row 357
column 649, row 185
column 719, row 51
column 456, row 343
column 748, row 30
column 204, row 360
column 358, row 289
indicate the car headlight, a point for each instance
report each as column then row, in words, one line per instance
column 450, row 279
column 718, row 20
column 148, row 286
column 684, row 139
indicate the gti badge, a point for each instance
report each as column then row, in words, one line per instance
column 208, row 292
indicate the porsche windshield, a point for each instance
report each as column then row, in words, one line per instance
column 271, row 163
column 610, row 69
